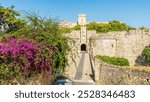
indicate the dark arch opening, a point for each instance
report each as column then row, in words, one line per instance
column 83, row 47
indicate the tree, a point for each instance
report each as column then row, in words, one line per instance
column 45, row 34
column 144, row 28
column 8, row 20
column 117, row 26
column 130, row 28
column 103, row 28
column 77, row 27
column 92, row 26
column 65, row 30
column 146, row 54
column 110, row 26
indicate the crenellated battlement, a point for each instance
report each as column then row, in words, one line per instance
column 138, row 31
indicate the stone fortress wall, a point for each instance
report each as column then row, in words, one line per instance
column 126, row 44
column 120, row 44
column 106, row 74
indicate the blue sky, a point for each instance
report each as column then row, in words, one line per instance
column 133, row 12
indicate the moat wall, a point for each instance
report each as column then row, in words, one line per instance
column 107, row 74
column 120, row 44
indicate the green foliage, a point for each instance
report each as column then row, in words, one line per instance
column 93, row 26
column 113, row 60
column 77, row 27
column 107, row 27
column 68, row 30
column 146, row 53
column 99, row 27
column 8, row 20
column 102, row 27
column 46, row 34
column 117, row 26
column 8, row 73
column 65, row 30
column 130, row 28
column 144, row 28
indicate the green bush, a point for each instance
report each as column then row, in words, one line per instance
column 113, row 60
column 146, row 53
column 65, row 30
column 110, row 26
column 77, row 27
column 8, row 74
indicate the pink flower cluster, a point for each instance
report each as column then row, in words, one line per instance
column 14, row 49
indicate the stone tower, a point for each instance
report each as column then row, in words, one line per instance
column 83, row 32
column 82, row 19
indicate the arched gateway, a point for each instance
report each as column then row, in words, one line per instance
column 83, row 47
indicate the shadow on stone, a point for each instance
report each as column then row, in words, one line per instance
column 140, row 61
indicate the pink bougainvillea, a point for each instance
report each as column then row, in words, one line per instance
column 25, row 54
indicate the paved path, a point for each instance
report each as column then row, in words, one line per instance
column 78, row 75
column 83, row 73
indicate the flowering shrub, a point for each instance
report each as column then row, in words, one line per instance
column 42, row 54
column 23, row 56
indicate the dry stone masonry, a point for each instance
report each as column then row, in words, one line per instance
column 107, row 74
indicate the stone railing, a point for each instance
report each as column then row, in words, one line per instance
column 107, row 74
